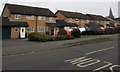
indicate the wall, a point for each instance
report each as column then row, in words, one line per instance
column 6, row 12
column 14, row 34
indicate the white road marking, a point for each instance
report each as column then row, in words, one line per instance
column 109, row 64
column 75, row 59
column 83, row 60
column 111, row 68
column 86, row 61
column 99, row 50
column 96, row 61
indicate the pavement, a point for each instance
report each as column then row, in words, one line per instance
column 93, row 57
column 20, row 46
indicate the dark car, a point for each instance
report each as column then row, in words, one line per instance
column 93, row 31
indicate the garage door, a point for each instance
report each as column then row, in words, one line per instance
column 6, row 33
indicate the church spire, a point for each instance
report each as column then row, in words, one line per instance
column 111, row 14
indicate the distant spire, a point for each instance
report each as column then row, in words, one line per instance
column 111, row 14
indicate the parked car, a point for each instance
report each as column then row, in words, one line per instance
column 100, row 30
column 93, row 31
column 68, row 32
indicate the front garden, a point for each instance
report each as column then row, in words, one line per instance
column 44, row 38
column 75, row 34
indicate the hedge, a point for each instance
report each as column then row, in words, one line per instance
column 112, row 30
column 76, row 33
column 44, row 38
column 62, row 32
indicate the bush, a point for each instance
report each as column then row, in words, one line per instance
column 109, row 31
column 51, row 38
column 34, row 36
column 76, row 33
column 62, row 32
column 117, row 29
column 64, row 37
column 43, row 38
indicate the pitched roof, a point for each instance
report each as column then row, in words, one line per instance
column 29, row 10
column 97, row 17
column 7, row 23
column 74, row 15
column 93, row 24
column 118, row 18
column 61, row 23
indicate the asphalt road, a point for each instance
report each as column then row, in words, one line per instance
column 94, row 57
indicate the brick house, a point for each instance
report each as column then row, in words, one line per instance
column 99, row 19
column 81, row 19
column 13, row 28
column 73, row 17
column 37, row 19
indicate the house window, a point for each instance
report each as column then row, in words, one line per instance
column 56, row 29
column 41, row 18
column 30, row 17
column 51, row 18
column 70, row 19
column 17, row 16
column 76, row 20
column 16, row 29
column 30, row 29
column 47, row 28
column 82, row 21
column 41, row 29
column 87, row 21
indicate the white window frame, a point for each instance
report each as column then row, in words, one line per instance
column 41, row 18
column 39, row 29
column 30, row 17
column 51, row 19
column 17, row 16
column 77, row 20
column 56, row 29
column 31, row 29
column 70, row 19
column 17, row 29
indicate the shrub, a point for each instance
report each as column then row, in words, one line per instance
column 109, row 31
column 69, row 37
column 117, row 29
column 76, row 33
column 62, row 32
column 64, row 37
column 51, row 38
column 43, row 38
column 34, row 36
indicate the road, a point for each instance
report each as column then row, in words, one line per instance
column 95, row 57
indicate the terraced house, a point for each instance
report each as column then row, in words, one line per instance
column 36, row 18
column 99, row 19
column 81, row 19
column 73, row 17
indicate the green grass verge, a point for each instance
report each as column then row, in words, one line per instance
column 88, row 36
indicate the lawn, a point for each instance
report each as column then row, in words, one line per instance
column 87, row 36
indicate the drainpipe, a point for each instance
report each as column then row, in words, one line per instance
column 36, row 23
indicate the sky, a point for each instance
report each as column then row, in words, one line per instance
column 98, row 7
column 119, row 9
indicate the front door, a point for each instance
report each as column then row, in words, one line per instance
column 52, row 31
column 22, row 32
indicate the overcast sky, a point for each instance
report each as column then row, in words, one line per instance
column 83, row 6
